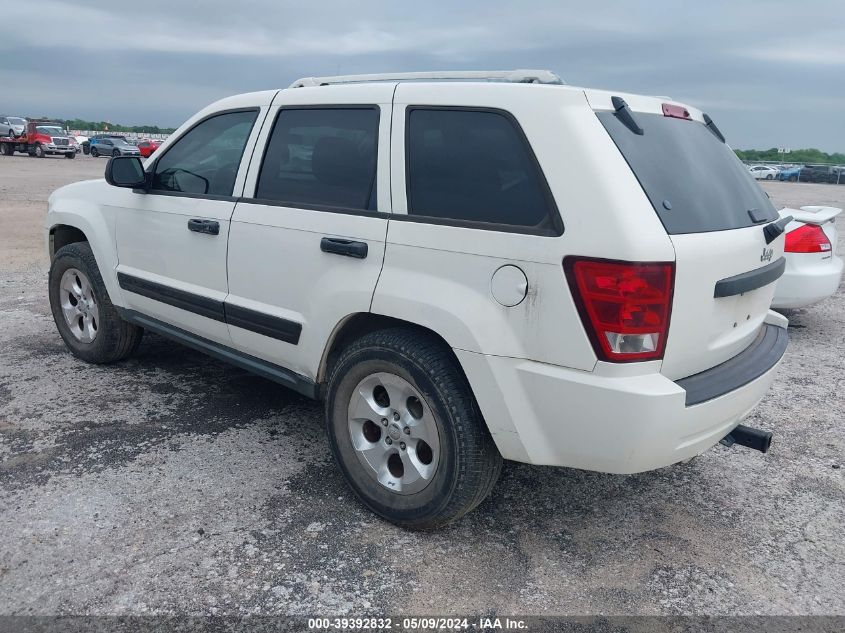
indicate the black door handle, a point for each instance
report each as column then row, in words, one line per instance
column 340, row 246
column 209, row 227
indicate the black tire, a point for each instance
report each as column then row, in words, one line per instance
column 94, row 152
column 39, row 152
column 469, row 462
column 86, row 149
column 116, row 339
column 769, row 177
column 71, row 155
column 116, row 153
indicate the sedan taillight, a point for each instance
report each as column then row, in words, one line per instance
column 809, row 238
column 624, row 306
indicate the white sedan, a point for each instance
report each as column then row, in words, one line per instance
column 813, row 271
column 764, row 172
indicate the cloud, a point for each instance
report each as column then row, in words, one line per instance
column 755, row 70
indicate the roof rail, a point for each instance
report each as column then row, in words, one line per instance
column 513, row 76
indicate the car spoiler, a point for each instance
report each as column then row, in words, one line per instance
column 811, row 214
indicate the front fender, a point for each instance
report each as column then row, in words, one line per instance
column 80, row 205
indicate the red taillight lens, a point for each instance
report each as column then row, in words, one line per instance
column 625, row 306
column 807, row 239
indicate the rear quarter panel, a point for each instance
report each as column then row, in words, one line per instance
column 440, row 276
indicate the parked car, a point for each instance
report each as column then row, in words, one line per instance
column 12, row 126
column 764, row 172
column 818, row 173
column 813, row 270
column 86, row 145
column 455, row 288
column 147, row 147
column 113, row 146
column 790, row 174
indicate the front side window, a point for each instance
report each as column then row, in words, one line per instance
column 474, row 166
column 206, row 159
column 322, row 157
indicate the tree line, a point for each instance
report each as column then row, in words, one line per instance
column 79, row 124
column 804, row 156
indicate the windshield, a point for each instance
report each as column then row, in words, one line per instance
column 16, row 121
column 51, row 130
column 694, row 181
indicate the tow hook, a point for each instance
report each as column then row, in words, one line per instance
column 750, row 437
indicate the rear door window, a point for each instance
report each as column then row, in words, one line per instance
column 475, row 167
column 322, row 157
column 694, row 181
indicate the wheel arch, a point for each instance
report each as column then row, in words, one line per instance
column 61, row 235
column 359, row 324
column 71, row 220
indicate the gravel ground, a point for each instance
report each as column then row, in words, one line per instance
column 172, row 483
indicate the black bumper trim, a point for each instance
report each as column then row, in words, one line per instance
column 758, row 358
column 753, row 279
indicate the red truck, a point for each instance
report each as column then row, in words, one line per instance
column 40, row 139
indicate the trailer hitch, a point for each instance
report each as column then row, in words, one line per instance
column 750, row 437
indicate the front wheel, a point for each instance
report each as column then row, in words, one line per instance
column 769, row 177
column 116, row 153
column 95, row 152
column 86, row 319
column 39, row 151
column 71, row 155
column 406, row 431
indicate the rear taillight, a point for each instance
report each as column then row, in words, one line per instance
column 807, row 239
column 625, row 306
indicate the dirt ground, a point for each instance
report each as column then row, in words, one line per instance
column 172, row 483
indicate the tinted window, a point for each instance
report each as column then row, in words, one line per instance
column 682, row 164
column 206, row 159
column 473, row 166
column 322, row 157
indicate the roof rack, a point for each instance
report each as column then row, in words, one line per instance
column 512, row 76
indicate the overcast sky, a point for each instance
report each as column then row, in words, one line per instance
column 769, row 72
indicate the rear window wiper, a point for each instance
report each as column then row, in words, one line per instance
column 624, row 114
column 708, row 122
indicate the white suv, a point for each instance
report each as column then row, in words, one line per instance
column 465, row 267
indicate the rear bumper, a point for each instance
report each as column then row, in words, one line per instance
column 612, row 419
column 807, row 280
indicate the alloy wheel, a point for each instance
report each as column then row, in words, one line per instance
column 79, row 305
column 394, row 433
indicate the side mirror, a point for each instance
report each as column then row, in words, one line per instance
column 126, row 171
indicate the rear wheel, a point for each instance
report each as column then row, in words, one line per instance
column 86, row 149
column 86, row 319
column 406, row 431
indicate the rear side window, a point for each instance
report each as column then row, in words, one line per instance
column 322, row 157
column 205, row 159
column 694, row 181
column 475, row 166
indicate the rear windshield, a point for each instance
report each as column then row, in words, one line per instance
column 694, row 181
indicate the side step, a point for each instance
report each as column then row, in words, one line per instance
column 749, row 437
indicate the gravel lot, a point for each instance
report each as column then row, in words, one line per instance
column 172, row 483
